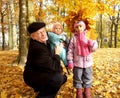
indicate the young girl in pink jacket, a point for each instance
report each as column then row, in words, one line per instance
column 80, row 59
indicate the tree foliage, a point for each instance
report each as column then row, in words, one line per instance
column 63, row 11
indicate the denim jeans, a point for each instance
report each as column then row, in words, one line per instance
column 82, row 77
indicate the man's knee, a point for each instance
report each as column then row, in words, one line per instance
column 58, row 79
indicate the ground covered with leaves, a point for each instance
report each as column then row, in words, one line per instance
column 106, row 77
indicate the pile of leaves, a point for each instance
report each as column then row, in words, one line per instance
column 106, row 77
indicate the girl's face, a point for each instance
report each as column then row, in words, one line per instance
column 58, row 29
column 80, row 28
column 40, row 35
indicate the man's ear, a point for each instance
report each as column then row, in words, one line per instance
column 32, row 36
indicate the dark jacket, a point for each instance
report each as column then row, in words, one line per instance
column 41, row 65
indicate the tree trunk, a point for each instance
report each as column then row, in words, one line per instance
column 14, row 29
column 111, row 36
column 116, row 30
column 115, row 36
column 12, row 26
column 10, row 34
column 2, row 26
column 3, row 34
column 101, row 36
column 22, row 33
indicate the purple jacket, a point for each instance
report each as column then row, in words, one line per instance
column 77, row 60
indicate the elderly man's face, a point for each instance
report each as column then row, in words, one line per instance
column 40, row 35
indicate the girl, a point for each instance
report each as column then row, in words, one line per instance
column 80, row 59
column 56, row 37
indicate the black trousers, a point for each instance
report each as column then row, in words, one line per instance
column 49, row 96
column 53, row 86
column 44, row 83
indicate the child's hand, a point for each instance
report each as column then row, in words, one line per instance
column 90, row 42
column 58, row 49
column 70, row 65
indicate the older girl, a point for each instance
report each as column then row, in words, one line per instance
column 80, row 59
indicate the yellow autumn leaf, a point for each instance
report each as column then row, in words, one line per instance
column 18, row 96
column 3, row 94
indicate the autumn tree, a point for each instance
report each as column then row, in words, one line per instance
column 8, row 23
column 30, row 11
column 12, row 25
column 112, row 9
column 115, row 19
column 3, row 13
column 22, row 32
column 114, row 26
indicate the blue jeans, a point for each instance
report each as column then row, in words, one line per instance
column 82, row 77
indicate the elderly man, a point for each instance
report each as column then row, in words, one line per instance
column 43, row 71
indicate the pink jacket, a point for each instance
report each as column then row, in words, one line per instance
column 77, row 60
